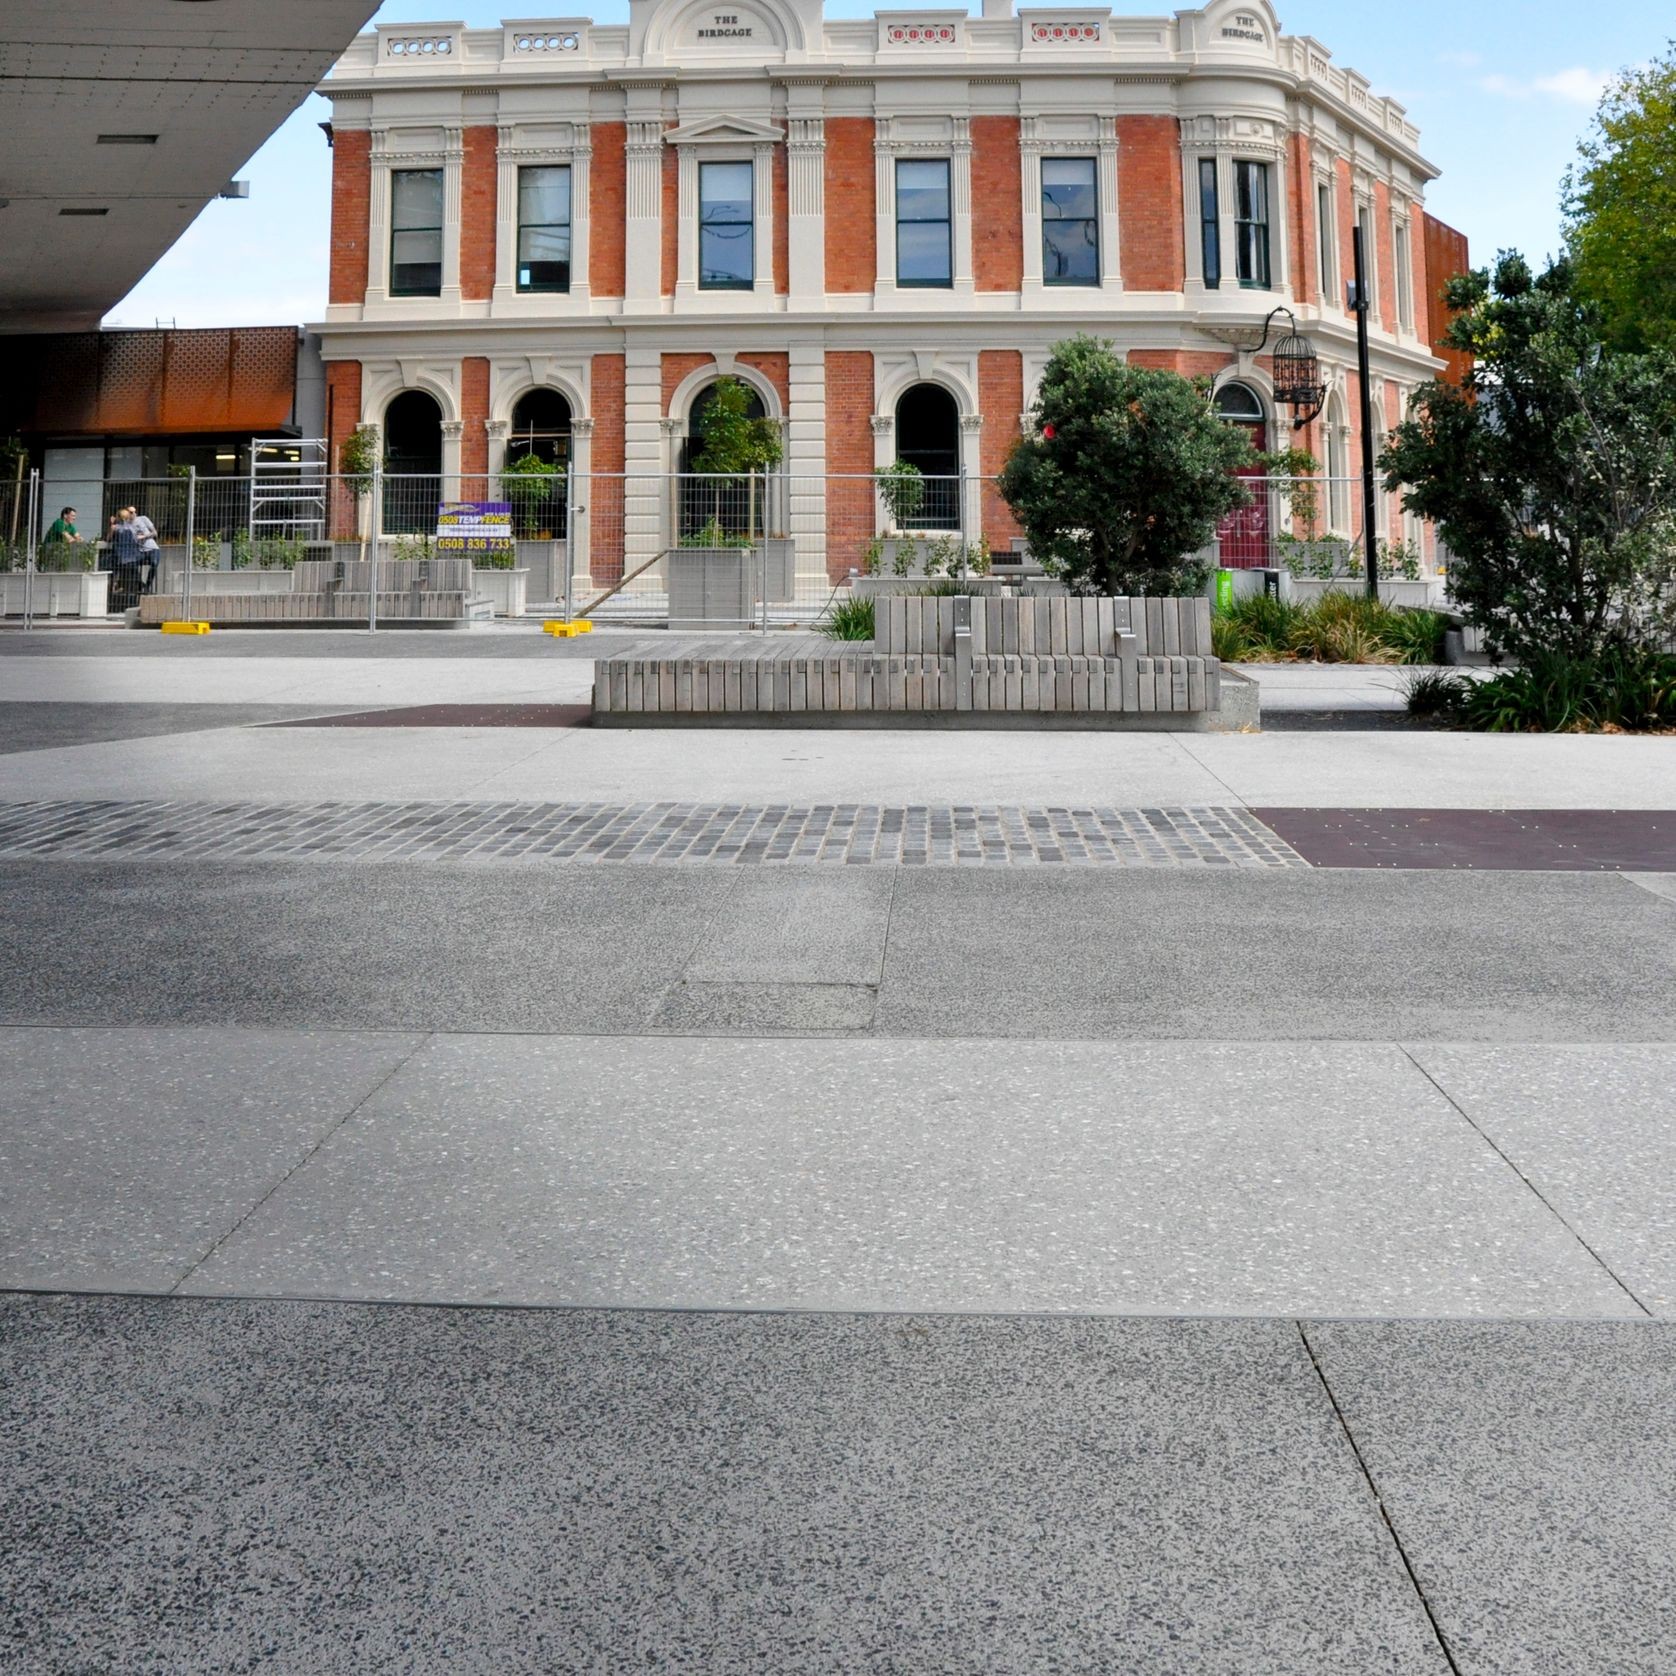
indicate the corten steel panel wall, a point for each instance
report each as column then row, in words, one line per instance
column 474, row 410
column 351, row 215
column 1149, row 203
column 1001, row 400
column 479, row 190
column 849, row 451
column 851, row 235
column 997, row 208
column 607, row 208
column 1447, row 254
column 239, row 380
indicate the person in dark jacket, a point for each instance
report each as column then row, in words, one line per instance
column 126, row 562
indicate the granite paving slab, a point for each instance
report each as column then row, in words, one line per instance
column 805, row 1174
column 1526, row 1469
column 318, row 1490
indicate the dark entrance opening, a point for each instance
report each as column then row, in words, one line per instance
column 412, row 464
column 928, row 437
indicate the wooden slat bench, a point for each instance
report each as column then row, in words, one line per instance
column 334, row 592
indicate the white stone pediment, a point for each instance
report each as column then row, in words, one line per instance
column 724, row 130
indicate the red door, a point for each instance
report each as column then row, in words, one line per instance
column 1242, row 541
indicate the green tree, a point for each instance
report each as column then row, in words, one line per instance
column 1551, row 474
column 735, row 444
column 1620, row 205
column 1126, row 476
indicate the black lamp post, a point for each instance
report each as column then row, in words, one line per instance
column 1359, row 306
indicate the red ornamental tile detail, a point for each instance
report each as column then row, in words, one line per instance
column 1065, row 32
column 921, row 35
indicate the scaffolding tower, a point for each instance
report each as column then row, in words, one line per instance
column 288, row 488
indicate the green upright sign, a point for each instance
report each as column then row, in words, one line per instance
column 1224, row 590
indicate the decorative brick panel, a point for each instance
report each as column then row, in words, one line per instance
column 671, row 225
column 851, row 234
column 1149, row 203
column 607, row 208
column 782, row 224
column 1305, row 247
column 474, row 435
column 343, row 414
column 605, row 491
column 479, row 189
column 1001, row 401
column 351, row 216
column 997, row 209
column 849, row 456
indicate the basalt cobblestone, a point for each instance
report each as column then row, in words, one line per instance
column 689, row 834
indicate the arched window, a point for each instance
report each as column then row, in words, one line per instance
column 709, row 499
column 413, row 464
column 928, row 437
column 1338, row 468
column 1243, row 540
column 1239, row 404
column 540, row 430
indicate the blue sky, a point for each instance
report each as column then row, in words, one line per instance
column 1501, row 91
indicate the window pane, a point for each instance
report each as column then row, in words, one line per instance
column 725, row 257
column 922, row 191
column 724, row 191
column 1210, row 228
column 416, row 198
column 416, row 263
column 544, row 259
column 1068, row 188
column 922, row 253
column 544, row 197
column 1070, row 253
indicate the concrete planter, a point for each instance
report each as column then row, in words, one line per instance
column 544, row 561
column 1427, row 593
column 712, row 587
column 231, row 582
column 56, row 593
column 504, row 589
column 875, row 587
column 917, row 550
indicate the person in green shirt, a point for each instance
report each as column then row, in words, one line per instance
column 63, row 527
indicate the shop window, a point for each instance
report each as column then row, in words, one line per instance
column 726, row 237
column 924, row 229
column 544, row 229
column 1210, row 223
column 416, row 233
column 1251, row 199
column 928, row 437
column 1070, row 221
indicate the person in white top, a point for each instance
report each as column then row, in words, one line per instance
column 145, row 532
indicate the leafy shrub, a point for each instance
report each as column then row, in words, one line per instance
column 902, row 489
column 713, row 535
column 1336, row 628
column 1622, row 689
column 849, row 619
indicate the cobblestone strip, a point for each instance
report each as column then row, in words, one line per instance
column 680, row 834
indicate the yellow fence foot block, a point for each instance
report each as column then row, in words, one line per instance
column 186, row 628
column 567, row 631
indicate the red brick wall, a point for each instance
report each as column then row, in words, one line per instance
column 775, row 366
column 607, row 208
column 849, row 449
column 1445, row 253
column 474, row 437
column 479, row 188
column 851, row 235
column 1346, row 199
column 351, row 216
column 782, row 224
column 671, row 224
column 1190, row 363
column 1384, row 239
column 605, row 493
column 1001, row 401
column 678, row 367
column 1149, row 203
column 997, row 210
column 343, row 413
column 1304, row 251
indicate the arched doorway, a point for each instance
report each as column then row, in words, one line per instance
column 707, row 499
column 540, row 430
column 412, row 464
column 928, row 438
column 1243, row 540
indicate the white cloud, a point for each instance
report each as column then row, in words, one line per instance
column 1575, row 86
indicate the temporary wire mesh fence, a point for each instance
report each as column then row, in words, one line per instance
column 648, row 548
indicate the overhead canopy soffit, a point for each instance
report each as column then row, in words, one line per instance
column 190, row 88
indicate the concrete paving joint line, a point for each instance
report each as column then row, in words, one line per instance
column 1546, row 1203
column 1379, row 1501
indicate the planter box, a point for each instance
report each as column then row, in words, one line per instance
column 712, row 587
column 876, row 587
column 545, row 563
column 1425, row 593
column 56, row 593
column 504, row 589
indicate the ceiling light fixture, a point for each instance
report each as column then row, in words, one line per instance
column 126, row 139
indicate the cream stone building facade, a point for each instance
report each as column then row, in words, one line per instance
column 559, row 234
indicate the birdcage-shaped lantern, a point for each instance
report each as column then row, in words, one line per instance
column 1297, row 374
